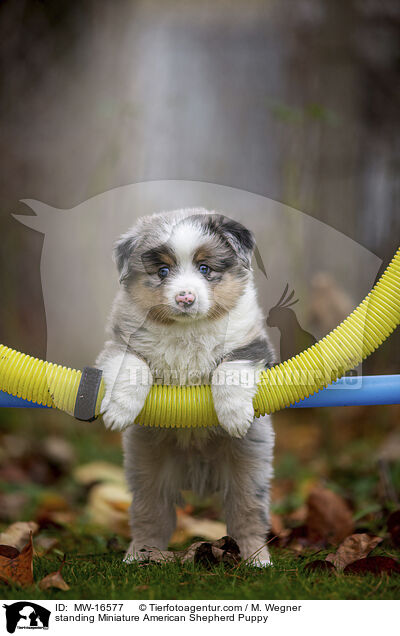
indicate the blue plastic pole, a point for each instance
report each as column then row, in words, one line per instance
column 9, row 401
column 365, row 390
column 348, row 391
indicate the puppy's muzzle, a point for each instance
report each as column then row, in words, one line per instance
column 185, row 298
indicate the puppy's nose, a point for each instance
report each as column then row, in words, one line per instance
column 185, row 298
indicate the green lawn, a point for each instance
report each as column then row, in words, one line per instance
column 100, row 575
column 342, row 456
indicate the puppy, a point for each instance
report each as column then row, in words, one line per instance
column 187, row 313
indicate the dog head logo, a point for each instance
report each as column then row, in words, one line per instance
column 26, row 615
column 79, row 279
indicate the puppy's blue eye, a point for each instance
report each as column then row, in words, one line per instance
column 163, row 272
column 204, row 269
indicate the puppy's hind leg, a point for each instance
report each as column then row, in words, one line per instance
column 247, row 493
column 152, row 521
column 151, row 479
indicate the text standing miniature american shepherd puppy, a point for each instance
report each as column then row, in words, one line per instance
column 187, row 312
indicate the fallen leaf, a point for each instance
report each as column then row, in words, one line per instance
column 329, row 518
column 40, row 461
column 208, row 554
column 295, row 538
column 54, row 510
column 299, row 515
column 205, row 554
column 353, row 548
column 54, row 579
column 224, row 550
column 19, row 569
column 374, row 565
column 121, row 505
column 150, row 554
column 188, row 527
column 58, row 452
column 228, row 544
column 277, row 526
column 393, row 525
column 95, row 472
column 108, row 506
column 17, row 534
column 319, row 565
column 8, row 551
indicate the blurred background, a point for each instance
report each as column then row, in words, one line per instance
column 294, row 101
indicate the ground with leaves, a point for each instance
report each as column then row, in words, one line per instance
column 95, row 573
column 335, row 524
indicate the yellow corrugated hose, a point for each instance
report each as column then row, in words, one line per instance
column 342, row 349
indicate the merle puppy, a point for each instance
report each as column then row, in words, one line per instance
column 187, row 309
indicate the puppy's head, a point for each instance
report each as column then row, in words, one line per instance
column 185, row 265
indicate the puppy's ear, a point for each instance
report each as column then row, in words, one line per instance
column 123, row 250
column 240, row 238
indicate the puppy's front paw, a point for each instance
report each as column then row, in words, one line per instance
column 128, row 380
column 117, row 416
column 233, row 387
column 234, row 408
column 261, row 563
column 234, row 413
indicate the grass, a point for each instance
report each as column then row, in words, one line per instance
column 97, row 574
column 304, row 458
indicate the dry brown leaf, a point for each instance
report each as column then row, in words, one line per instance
column 99, row 472
column 207, row 554
column 108, row 506
column 60, row 518
column 58, row 452
column 223, row 550
column 278, row 535
column 353, row 548
column 19, row 569
column 54, row 579
column 295, row 539
column 121, row 505
column 54, row 510
column 17, row 534
column 150, row 554
column 277, row 526
column 374, row 565
column 299, row 515
column 329, row 518
column 8, row 551
column 188, row 527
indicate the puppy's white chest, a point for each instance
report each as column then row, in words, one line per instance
column 186, row 355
